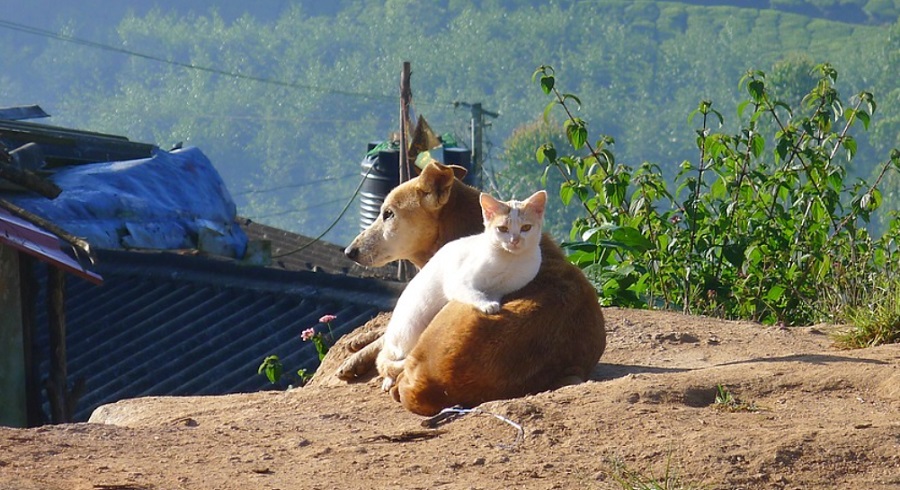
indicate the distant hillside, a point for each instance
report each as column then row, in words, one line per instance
column 851, row 11
column 319, row 81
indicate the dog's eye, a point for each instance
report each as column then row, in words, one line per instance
column 387, row 214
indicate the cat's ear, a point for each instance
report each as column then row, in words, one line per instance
column 435, row 183
column 490, row 207
column 537, row 203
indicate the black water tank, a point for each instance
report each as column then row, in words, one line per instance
column 381, row 173
column 463, row 158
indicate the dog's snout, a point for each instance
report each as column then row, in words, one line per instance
column 352, row 252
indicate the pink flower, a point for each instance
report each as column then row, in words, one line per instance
column 308, row 334
column 327, row 318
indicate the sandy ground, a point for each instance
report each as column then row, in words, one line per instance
column 809, row 416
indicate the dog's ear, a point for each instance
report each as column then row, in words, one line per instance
column 435, row 183
column 459, row 172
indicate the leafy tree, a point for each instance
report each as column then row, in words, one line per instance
column 792, row 77
column 521, row 174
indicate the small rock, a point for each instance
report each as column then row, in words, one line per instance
column 478, row 462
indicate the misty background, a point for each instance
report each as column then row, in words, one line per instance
column 284, row 96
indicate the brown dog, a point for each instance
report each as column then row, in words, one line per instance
column 548, row 334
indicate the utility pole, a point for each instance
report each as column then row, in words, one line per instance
column 403, row 266
column 477, row 138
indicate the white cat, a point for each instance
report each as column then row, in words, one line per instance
column 478, row 270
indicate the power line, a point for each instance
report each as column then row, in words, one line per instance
column 14, row 26
column 299, row 210
column 291, row 186
column 336, row 220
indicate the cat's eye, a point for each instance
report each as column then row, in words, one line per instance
column 503, row 229
column 387, row 214
column 526, row 227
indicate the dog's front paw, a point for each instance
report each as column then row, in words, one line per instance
column 361, row 362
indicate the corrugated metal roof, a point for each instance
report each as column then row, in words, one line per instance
column 167, row 324
column 315, row 255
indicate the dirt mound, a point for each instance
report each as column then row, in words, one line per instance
column 803, row 415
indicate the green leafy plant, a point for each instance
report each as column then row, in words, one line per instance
column 272, row 368
column 754, row 229
column 875, row 320
column 727, row 402
column 304, row 376
column 318, row 338
column 630, row 479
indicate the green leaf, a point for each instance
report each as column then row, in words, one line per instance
column 690, row 118
column 734, row 254
column 757, row 90
column 586, row 247
column 849, row 144
column 547, row 83
column 775, row 293
column 785, row 107
column 546, row 152
column 576, row 132
column 579, row 137
column 864, row 117
column 549, row 107
column 757, row 145
column 740, row 108
column 718, row 116
column 574, row 97
column 782, row 149
column 582, row 259
column 566, row 193
column 272, row 368
column 632, row 238
column 870, row 201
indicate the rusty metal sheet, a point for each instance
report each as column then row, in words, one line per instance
column 35, row 241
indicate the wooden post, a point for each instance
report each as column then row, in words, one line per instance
column 405, row 97
column 28, row 286
column 13, row 392
column 57, row 384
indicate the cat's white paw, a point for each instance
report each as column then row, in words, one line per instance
column 489, row 307
column 387, row 383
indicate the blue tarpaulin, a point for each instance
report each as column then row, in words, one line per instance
column 173, row 200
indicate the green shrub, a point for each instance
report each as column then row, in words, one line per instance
column 756, row 228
